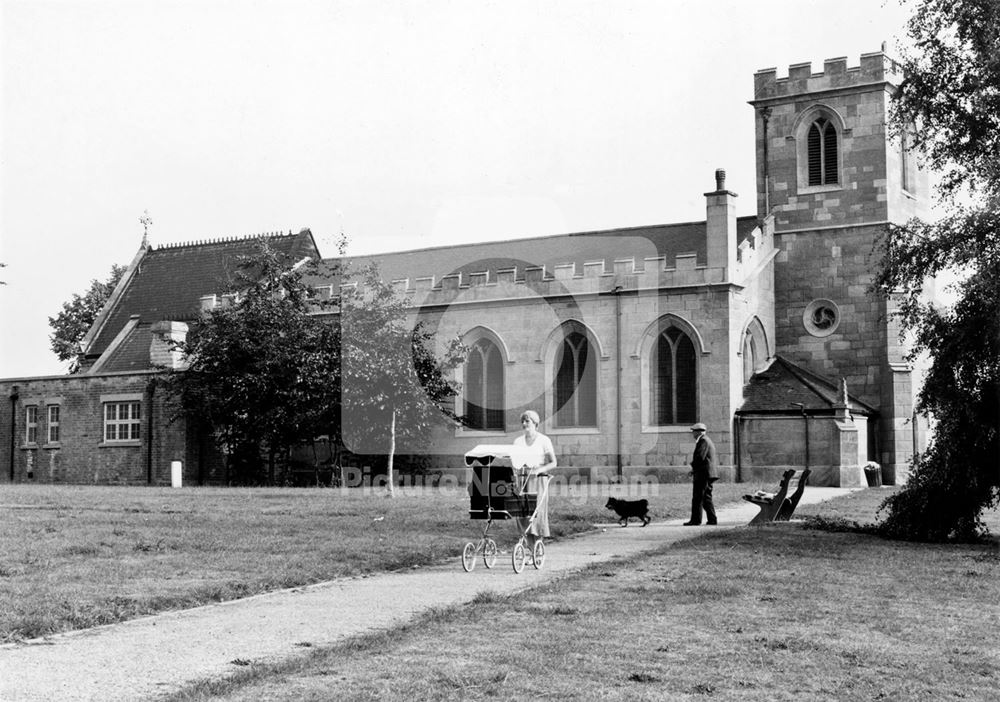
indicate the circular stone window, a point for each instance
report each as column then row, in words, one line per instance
column 821, row 317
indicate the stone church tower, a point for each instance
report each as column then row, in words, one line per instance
column 832, row 174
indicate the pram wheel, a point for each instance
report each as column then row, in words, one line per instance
column 469, row 557
column 518, row 557
column 490, row 553
column 538, row 554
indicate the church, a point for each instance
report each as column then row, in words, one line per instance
column 757, row 323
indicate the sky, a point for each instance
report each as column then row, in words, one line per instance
column 403, row 124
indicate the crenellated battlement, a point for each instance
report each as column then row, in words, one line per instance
column 590, row 277
column 756, row 249
column 874, row 67
column 571, row 274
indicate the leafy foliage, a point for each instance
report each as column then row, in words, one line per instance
column 949, row 102
column 263, row 373
column 78, row 315
column 951, row 90
column 278, row 368
column 396, row 389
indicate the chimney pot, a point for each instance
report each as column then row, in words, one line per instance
column 720, row 179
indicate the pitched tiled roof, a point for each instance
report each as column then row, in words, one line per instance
column 168, row 282
column 132, row 354
column 666, row 240
column 784, row 383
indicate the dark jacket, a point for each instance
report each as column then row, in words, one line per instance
column 704, row 462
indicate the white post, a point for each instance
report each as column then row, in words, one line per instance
column 175, row 473
column 392, row 451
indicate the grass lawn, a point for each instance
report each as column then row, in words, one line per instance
column 72, row 557
column 779, row 613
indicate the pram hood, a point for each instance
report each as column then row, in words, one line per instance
column 486, row 454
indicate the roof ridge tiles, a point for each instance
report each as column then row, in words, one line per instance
column 224, row 240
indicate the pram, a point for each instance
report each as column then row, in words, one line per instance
column 497, row 491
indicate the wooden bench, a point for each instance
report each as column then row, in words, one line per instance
column 780, row 506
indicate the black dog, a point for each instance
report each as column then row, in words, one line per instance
column 627, row 509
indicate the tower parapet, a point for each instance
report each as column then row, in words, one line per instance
column 875, row 68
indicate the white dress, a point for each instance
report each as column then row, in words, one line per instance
column 533, row 455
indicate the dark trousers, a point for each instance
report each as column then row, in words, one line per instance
column 702, row 499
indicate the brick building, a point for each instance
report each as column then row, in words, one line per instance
column 111, row 423
column 760, row 326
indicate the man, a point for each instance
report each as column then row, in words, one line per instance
column 704, row 474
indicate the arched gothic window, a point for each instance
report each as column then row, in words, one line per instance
column 576, row 383
column 822, row 152
column 484, row 382
column 674, row 381
column 905, row 162
column 749, row 356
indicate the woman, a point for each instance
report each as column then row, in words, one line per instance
column 537, row 456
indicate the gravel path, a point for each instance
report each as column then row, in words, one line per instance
column 148, row 657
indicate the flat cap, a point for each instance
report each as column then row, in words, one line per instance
column 699, row 427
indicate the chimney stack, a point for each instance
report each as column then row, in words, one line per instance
column 720, row 227
column 163, row 351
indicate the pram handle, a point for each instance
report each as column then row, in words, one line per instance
column 525, row 472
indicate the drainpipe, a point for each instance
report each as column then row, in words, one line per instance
column 805, row 419
column 151, row 388
column 765, row 116
column 618, row 380
column 737, row 422
column 13, row 428
column 878, row 444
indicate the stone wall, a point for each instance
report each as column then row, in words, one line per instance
column 770, row 445
column 618, row 305
column 834, row 266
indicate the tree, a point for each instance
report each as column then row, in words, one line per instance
column 78, row 315
column 395, row 388
column 948, row 105
column 279, row 367
column 263, row 372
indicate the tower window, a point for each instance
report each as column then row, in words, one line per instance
column 822, row 153
column 821, row 317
